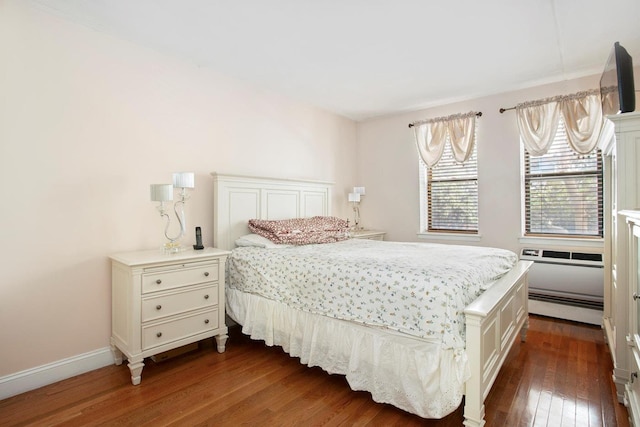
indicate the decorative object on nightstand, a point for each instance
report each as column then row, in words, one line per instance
column 161, row 302
column 164, row 193
column 354, row 198
column 198, row 246
column 368, row 234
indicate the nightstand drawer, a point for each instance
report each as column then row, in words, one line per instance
column 179, row 302
column 165, row 332
column 184, row 276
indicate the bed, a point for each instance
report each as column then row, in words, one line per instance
column 420, row 371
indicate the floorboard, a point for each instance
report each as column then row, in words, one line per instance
column 561, row 376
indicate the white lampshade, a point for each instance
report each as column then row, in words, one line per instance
column 161, row 192
column 354, row 197
column 183, row 180
column 359, row 190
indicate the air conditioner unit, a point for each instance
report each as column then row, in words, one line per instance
column 562, row 283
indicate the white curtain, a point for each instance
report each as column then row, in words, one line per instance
column 583, row 121
column 431, row 136
column 582, row 116
column 538, row 124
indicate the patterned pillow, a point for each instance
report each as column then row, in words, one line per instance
column 301, row 231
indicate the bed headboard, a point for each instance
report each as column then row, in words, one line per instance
column 237, row 199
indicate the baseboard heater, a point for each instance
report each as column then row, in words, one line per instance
column 568, row 278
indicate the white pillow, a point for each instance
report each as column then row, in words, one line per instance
column 258, row 241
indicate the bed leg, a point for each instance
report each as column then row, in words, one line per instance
column 476, row 420
column 523, row 331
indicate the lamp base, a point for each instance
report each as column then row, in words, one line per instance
column 173, row 248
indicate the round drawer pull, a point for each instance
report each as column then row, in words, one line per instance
column 206, row 321
column 158, row 307
column 206, row 274
column 158, row 281
column 206, row 296
column 159, row 334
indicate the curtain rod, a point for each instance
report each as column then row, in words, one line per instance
column 553, row 99
column 438, row 119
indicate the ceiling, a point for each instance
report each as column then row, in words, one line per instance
column 366, row 58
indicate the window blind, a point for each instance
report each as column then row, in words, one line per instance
column 563, row 191
column 452, row 194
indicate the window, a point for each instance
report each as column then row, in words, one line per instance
column 563, row 191
column 450, row 191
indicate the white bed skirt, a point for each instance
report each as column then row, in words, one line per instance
column 410, row 373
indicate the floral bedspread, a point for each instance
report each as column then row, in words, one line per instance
column 417, row 288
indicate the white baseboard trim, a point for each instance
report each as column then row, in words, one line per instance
column 50, row 373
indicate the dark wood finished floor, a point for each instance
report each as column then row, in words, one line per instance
column 560, row 377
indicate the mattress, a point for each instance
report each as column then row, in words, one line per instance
column 418, row 289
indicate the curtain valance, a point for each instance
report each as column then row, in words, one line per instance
column 582, row 116
column 431, row 136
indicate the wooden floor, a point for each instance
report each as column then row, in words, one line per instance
column 560, row 377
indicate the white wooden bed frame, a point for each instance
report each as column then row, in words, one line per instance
column 492, row 321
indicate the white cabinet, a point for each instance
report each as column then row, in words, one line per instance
column 633, row 387
column 621, row 191
column 164, row 301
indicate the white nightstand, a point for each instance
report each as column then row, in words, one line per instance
column 368, row 234
column 164, row 301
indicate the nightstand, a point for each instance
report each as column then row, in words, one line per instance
column 368, row 234
column 165, row 301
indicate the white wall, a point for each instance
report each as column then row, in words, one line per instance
column 388, row 166
column 87, row 122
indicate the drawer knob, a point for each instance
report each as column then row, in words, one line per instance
column 158, row 307
column 206, row 274
column 206, row 321
column 206, row 296
column 159, row 334
column 158, row 281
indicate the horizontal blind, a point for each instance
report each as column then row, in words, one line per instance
column 452, row 194
column 563, row 191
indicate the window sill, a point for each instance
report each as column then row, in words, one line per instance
column 562, row 241
column 450, row 237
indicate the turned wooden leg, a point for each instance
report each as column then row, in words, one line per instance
column 117, row 354
column 136, row 366
column 221, row 341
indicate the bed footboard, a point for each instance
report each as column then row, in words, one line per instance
column 493, row 322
